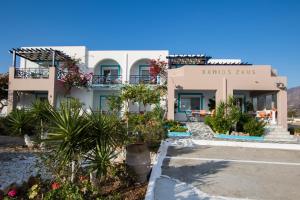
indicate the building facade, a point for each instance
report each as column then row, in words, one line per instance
column 36, row 78
column 194, row 81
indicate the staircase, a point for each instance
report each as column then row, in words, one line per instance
column 278, row 134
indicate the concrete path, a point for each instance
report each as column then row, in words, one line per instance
column 220, row 172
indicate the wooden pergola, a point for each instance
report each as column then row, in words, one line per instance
column 199, row 59
column 187, row 59
column 39, row 55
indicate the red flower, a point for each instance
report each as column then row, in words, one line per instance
column 82, row 178
column 55, row 186
column 12, row 193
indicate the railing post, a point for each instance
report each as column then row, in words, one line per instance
column 14, row 58
column 53, row 58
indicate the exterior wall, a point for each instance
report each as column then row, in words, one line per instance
column 126, row 59
column 103, row 93
column 49, row 85
column 225, row 79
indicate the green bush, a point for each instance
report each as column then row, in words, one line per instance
column 244, row 118
column 66, row 191
column 254, row 127
column 3, row 126
column 226, row 116
column 178, row 128
column 170, row 123
column 20, row 122
column 297, row 130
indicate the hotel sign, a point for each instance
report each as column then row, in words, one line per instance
column 228, row 72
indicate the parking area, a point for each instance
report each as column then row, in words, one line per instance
column 236, row 172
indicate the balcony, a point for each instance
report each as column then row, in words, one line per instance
column 144, row 79
column 106, row 79
column 35, row 73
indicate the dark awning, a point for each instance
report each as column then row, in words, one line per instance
column 40, row 54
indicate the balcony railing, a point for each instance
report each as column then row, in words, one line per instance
column 31, row 73
column 109, row 79
column 145, row 79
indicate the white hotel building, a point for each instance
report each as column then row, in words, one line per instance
column 35, row 78
column 193, row 80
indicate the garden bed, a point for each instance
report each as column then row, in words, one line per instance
column 239, row 137
column 179, row 134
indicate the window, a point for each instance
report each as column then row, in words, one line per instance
column 104, row 103
column 110, row 73
column 144, row 73
column 189, row 102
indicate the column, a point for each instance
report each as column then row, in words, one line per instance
column 11, row 100
column 170, row 103
column 52, row 86
column 282, row 108
column 221, row 94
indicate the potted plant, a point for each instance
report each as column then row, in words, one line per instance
column 142, row 128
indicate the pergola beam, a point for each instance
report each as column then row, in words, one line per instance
column 40, row 54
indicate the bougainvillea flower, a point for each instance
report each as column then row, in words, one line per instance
column 82, row 178
column 12, row 193
column 55, row 186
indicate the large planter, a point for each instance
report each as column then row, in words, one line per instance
column 138, row 159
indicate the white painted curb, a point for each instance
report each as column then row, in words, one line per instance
column 156, row 169
column 247, row 144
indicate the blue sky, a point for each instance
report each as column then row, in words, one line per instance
column 258, row 32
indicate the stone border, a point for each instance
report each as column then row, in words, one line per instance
column 156, row 169
column 247, row 144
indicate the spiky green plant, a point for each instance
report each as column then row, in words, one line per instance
column 67, row 131
column 105, row 135
column 20, row 122
column 40, row 113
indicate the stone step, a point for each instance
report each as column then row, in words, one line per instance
column 281, row 139
column 278, row 133
column 279, row 136
column 276, row 129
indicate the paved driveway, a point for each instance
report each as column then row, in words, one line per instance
column 236, row 172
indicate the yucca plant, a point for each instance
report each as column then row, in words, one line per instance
column 40, row 113
column 20, row 122
column 67, row 131
column 105, row 135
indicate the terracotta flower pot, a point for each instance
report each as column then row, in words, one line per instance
column 138, row 158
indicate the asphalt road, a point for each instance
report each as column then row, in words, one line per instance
column 236, row 172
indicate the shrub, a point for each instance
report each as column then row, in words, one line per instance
column 178, row 128
column 254, row 127
column 170, row 123
column 3, row 126
column 226, row 116
column 20, row 122
column 244, row 118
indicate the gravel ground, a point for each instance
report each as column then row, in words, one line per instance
column 18, row 163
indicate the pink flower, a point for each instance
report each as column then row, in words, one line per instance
column 55, row 186
column 12, row 193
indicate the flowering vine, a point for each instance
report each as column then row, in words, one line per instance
column 158, row 68
column 73, row 77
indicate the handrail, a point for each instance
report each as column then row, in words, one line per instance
column 107, row 79
column 146, row 79
column 37, row 73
